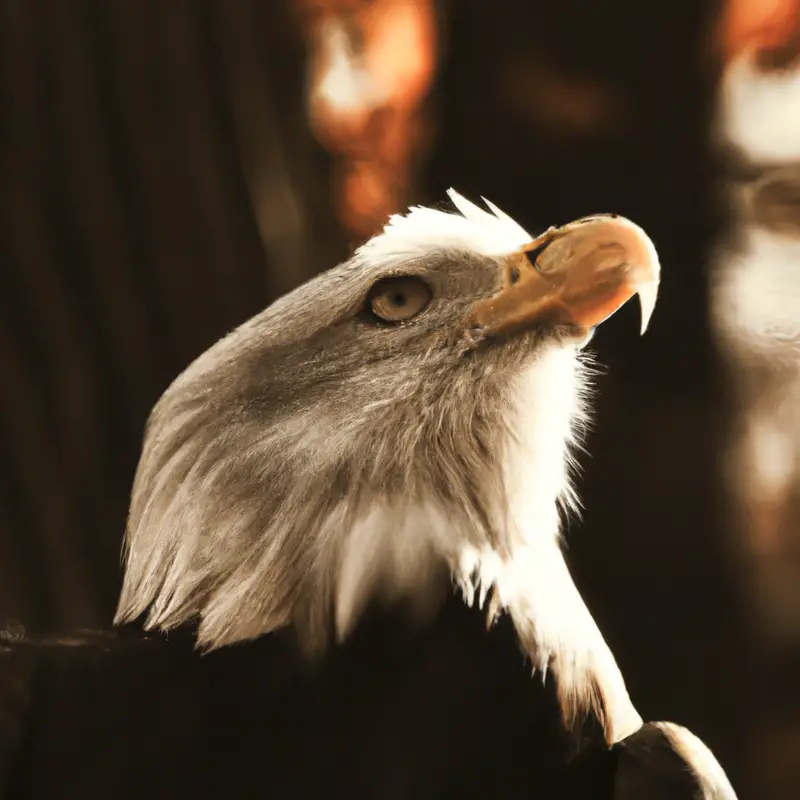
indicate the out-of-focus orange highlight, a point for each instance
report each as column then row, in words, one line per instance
column 758, row 25
column 372, row 64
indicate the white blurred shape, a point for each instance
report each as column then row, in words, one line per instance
column 757, row 292
column 760, row 111
column 774, row 456
column 343, row 82
column 756, row 314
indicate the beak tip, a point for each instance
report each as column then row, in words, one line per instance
column 648, row 294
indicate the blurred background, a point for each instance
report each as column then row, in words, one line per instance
column 168, row 169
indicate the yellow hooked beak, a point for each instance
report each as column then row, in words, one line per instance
column 579, row 274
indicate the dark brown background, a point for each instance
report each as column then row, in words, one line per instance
column 160, row 186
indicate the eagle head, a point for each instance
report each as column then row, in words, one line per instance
column 404, row 417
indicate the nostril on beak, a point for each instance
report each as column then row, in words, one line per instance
column 533, row 254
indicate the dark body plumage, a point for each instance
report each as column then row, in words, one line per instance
column 445, row 712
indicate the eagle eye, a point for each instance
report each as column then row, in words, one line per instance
column 399, row 299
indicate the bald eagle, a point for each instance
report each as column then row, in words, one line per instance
column 400, row 427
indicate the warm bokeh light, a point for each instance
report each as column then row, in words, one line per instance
column 758, row 25
column 371, row 66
